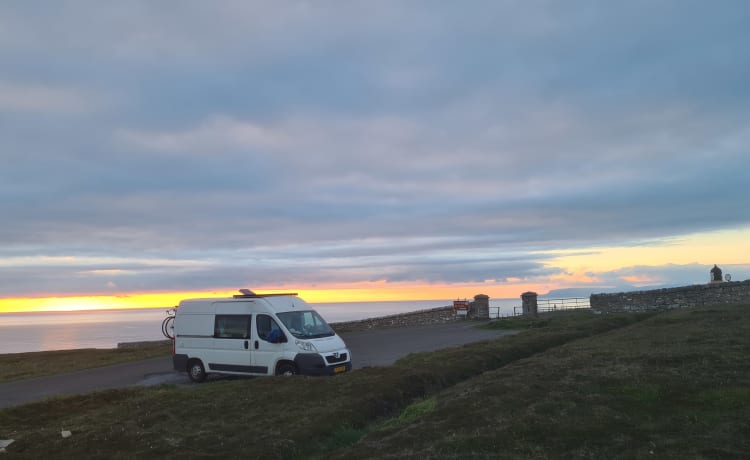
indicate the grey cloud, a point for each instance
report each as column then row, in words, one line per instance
column 408, row 142
column 261, row 267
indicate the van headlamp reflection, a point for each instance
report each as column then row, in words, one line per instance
column 305, row 346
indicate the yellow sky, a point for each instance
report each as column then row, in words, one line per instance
column 721, row 247
column 363, row 292
column 574, row 268
column 725, row 247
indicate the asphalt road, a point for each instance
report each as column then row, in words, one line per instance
column 380, row 347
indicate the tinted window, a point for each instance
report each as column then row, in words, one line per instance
column 232, row 327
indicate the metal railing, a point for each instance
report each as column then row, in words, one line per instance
column 495, row 312
column 552, row 305
column 548, row 305
column 543, row 306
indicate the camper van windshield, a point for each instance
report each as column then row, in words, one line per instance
column 305, row 324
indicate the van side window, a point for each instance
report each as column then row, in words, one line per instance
column 232, row 327
column 268, row 328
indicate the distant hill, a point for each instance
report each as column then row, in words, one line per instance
column 569, row 292
column 587, row 291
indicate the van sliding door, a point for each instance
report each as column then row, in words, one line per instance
column 232, row 343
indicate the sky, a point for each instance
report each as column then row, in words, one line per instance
column 359, row 150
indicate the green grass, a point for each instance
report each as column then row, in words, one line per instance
column 577, row 386
column 17, row 366
column 674, row 386
column 411, row 413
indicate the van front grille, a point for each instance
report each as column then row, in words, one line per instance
column 332, row 359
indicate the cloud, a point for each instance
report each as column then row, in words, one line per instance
column 408, row 142
column 213, row 136
column 41, row 99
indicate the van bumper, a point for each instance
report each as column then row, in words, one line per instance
column 180, row 362
column 314, row 364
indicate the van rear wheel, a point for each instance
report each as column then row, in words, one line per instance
column 196, row 371
column 286, row 369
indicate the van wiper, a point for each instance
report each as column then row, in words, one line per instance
column 325, row 334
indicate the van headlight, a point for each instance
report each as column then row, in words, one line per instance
column 306, row 346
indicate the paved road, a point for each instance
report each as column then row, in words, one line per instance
column 379, row 347
column 382, row 347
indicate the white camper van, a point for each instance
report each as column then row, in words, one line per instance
column 255, row 334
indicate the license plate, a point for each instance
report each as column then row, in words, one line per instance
column 339, row 369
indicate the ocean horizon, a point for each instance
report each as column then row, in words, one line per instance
column 66, row 330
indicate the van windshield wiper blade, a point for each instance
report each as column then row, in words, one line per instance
column 325, row 334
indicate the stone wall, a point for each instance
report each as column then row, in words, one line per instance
column 736, row 292
column 432, row 316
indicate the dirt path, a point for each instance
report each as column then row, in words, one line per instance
column 379, row 347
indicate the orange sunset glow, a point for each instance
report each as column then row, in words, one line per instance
column 565, row 269
column 365, row 292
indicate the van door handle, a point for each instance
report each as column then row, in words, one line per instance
column 256, row 344
column 245, row 344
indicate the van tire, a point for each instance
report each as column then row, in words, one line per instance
column 286, row 369
column 196, row 372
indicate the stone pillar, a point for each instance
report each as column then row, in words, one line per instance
column 528, row 304
column 481, row 306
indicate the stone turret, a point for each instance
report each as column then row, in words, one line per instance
column 716, row 275
column 528, row 304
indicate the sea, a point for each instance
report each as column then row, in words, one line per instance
column 68, row 330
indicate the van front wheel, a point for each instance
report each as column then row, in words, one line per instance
column 286, row 369
column 196, row 371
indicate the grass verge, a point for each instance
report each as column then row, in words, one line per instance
column 562, row 388
column 676, row 386
column 17, row 366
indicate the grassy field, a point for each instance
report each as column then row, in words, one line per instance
column 573, row 385
column 17, row 366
